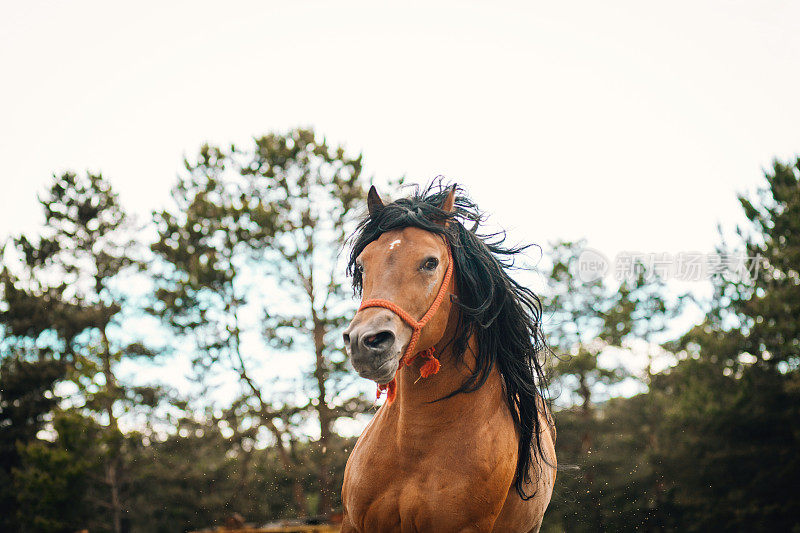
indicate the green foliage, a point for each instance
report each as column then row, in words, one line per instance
column 711, row 446
column 61, row 299
column 587, row 317
column 62, row 302
column 59, row 485
column 198, row 477
column 256, row 232
column 738, row 391
column 610, row 477
column 769, row 307
column 25, row 400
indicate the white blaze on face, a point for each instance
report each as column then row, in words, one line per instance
column 393, row 244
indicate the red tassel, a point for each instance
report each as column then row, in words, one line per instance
column 430, row 367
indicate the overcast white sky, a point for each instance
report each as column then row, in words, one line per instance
column 627, row 123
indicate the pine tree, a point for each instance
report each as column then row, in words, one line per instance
column 769, row 307
column 587, row 317
column 26, row 397
column 63, row 303
column 738, row 389
column 251, row 248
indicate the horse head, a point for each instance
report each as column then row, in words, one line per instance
column 406, row 282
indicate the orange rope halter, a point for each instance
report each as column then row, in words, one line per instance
column 432, row 365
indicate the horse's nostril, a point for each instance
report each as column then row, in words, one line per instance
column 379, row 341
column 346, row 338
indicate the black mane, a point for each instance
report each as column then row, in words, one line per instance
column 504, row 316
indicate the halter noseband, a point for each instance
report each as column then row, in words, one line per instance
column 432, row 364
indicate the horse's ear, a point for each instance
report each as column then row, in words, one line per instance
column 374, row 202
column 449, row 200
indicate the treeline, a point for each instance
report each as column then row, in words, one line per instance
column 241, row 277
column 711, row 445
column 240, row 273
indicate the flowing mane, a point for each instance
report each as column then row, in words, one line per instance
column 504, row 316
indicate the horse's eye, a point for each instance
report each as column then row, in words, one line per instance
column 360, row 268
column 430, row 264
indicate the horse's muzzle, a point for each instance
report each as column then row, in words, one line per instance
column 373, row 351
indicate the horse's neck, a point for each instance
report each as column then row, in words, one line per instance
column 416, row 397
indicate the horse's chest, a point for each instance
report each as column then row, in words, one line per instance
column 424, row 485
column 374, row 482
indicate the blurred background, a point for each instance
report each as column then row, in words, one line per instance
column 179, row 182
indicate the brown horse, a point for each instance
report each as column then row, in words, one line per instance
column 464, row 441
